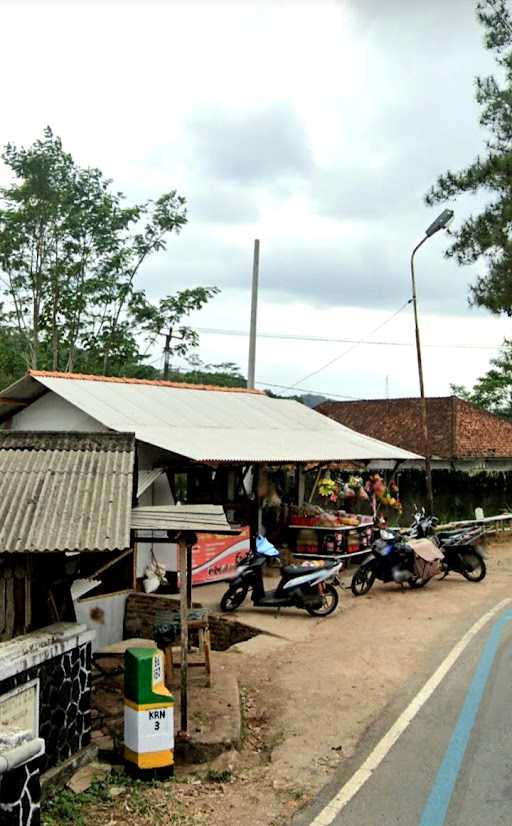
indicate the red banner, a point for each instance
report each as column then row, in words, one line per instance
column 216, row 557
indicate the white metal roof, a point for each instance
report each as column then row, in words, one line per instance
column 197, row 518
column 213, row 426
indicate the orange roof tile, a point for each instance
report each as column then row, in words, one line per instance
column 157, row 383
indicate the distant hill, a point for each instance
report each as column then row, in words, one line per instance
column 312, row 400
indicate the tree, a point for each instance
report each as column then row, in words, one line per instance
column 224, row 374
column 493, row 390
column 70, row 254
column 487, row 236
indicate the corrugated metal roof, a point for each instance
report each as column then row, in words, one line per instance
column 212, row 426
column 65, row 491
column 197, row 518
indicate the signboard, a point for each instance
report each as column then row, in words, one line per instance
column 158, row 671
column 216, row 557
column 19, row 708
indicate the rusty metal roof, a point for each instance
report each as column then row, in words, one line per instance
column 65, row 491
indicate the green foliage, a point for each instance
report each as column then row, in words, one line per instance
column 100, row 801
column 486, row 237
column 214, row 776
column 493, row 390
column 224, row 374
column 70, row 254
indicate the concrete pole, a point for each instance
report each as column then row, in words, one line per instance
column 251, row 372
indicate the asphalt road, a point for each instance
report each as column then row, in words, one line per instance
column 453, row 765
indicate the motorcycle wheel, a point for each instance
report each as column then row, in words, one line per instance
column 474, row 568
column 233, row 598
column 444, row 570
column 362, row 581
column 417, row 582
column 330, row 600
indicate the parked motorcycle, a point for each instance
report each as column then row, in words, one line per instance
column 311, row 587
column 394, row 559
column 463, row 549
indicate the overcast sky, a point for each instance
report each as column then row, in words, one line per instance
column 314, row 126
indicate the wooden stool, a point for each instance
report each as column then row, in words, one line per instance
column 167, row 633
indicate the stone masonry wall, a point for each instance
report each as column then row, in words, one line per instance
column 64, row 702
column 20, row 795
column 142, row 610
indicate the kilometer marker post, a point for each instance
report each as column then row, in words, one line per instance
column 148, row 716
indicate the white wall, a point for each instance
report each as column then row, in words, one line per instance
column 51, row 412
column 107, row 618
column 159, row 493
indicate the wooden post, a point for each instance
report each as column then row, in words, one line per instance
column 183, row 552
column 189, row 576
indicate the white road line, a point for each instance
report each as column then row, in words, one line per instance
column 375, row 758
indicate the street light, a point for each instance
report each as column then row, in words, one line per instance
column 441, row 222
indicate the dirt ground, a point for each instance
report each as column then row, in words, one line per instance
column 306, row 704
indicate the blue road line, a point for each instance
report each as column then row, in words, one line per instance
column 436, row 808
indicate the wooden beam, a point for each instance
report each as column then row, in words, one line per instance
column 183, row 554
column 3, row 400
column 109, row 564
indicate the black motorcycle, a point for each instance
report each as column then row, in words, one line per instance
column 308, row 586
column 393, row 560
column 464, row 549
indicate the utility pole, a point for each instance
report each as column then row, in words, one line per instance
column 251, row 372
column 168, row 350
column 167, row 353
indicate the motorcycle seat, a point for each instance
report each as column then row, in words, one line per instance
column 298, row 570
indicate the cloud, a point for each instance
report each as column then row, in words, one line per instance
column 252, row 146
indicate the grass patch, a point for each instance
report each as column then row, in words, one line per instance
column 65, row 808
column 213, row 776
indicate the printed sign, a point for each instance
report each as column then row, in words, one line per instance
column 158, row 670
column 149, row 730
column 19, row 708
column 216, row 557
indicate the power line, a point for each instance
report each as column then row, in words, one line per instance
column 331, row 340
column 349, row 350
column 305, row 390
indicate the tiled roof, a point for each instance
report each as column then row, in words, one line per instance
column 65, row 491
column 153, row 382
column 457, row 429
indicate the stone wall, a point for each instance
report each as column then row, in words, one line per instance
column 20, row 795
column 64, row 702
column 142, row 610
column 59, row 658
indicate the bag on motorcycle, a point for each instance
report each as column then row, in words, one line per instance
column 427, row 558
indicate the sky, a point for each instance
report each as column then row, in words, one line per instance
column 316, row 127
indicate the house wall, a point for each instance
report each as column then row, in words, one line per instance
column 51, row 412
column 159, row 493
column 456, row 493
column 104, row 615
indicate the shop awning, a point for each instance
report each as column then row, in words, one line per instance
column 195, row 518
column 205, row 424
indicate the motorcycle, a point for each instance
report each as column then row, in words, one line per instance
column 463, row 549
column 308, row 586
column 394, row 559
